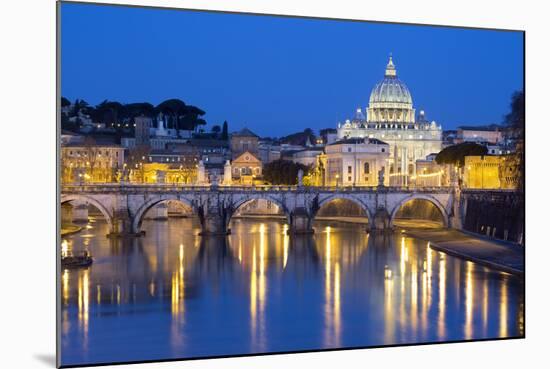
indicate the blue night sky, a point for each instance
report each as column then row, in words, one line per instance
column 280, row 75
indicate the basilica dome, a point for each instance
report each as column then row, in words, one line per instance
column 390, row 89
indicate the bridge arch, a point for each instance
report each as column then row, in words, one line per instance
column 340, row 196
column 429, row 198
column 83, row 198
column 149, row 204
column 242, row 200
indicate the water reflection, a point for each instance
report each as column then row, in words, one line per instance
column 174, row 294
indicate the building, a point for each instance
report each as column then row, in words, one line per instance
column 490, row 172
column 246, row 168
column 244, row 141
column 491, row 134
column 210, row 151
column 390, row 117
column 269, row 151
column 430, row 174
column 307, row 157
column 68, row 137
column 88, row 163
column 141, row 132
column 355, row 161
column 156, row 137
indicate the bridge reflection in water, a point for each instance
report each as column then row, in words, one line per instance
column 174, row 294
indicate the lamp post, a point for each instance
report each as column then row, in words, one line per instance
column 337, row 178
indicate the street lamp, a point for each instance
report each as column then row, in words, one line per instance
column 337, row 178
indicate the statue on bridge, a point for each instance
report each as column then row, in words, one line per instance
column 300, row 177
column 381, row 177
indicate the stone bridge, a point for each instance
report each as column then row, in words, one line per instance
column 125, row 205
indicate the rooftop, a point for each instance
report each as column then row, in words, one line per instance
column 358, row 140
column 245, row 132
column 489, row 127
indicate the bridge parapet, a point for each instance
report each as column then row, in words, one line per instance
column 168, row 187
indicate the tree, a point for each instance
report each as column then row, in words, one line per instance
column 139, row 109
column 181, row 116
column 225, row 134
column 283, row 172
column 108, row 112
column 216, row 130
column 300, row 138
column 515, row 121
column 455, row 154
column 65, row 102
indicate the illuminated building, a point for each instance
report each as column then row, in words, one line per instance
column 246, row 168
column 181, row 173
column 355, row 161
column 390, row 117
column 91, row 163
column 489, row 172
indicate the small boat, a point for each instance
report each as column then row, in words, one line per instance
column 76, row 261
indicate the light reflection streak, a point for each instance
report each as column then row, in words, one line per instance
column 388, row 308
column 503, row 324
column 65, row 284
column 414, row 296
column 178, row 288
column 332, row 296
column 258, row 291
column 485, row 306
column 98, row 295
column 84, row 300
column 441, row 330
column 286, row 239
column 469, row 300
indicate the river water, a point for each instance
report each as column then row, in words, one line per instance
column 173, row 294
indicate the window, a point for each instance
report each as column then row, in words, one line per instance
column 349, row 169
column 349, row 149
column 383, row 150
column 366, row 168
column 349, row 178
column 411, row 168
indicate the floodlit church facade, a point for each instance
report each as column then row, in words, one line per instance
column 391, row 118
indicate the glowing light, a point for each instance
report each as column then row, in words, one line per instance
column 64, row 248
column 387, row 272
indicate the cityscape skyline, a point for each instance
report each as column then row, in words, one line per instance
column 272, row 73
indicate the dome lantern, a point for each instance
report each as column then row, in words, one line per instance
column 390, row 68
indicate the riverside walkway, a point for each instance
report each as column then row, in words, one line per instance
column 500, row 255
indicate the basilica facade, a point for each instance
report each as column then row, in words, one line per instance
column 390, row 117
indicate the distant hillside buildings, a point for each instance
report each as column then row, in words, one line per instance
column 386, row 144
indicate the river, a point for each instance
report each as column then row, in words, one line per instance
column 173, row 294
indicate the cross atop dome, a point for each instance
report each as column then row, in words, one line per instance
column 390, row 68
